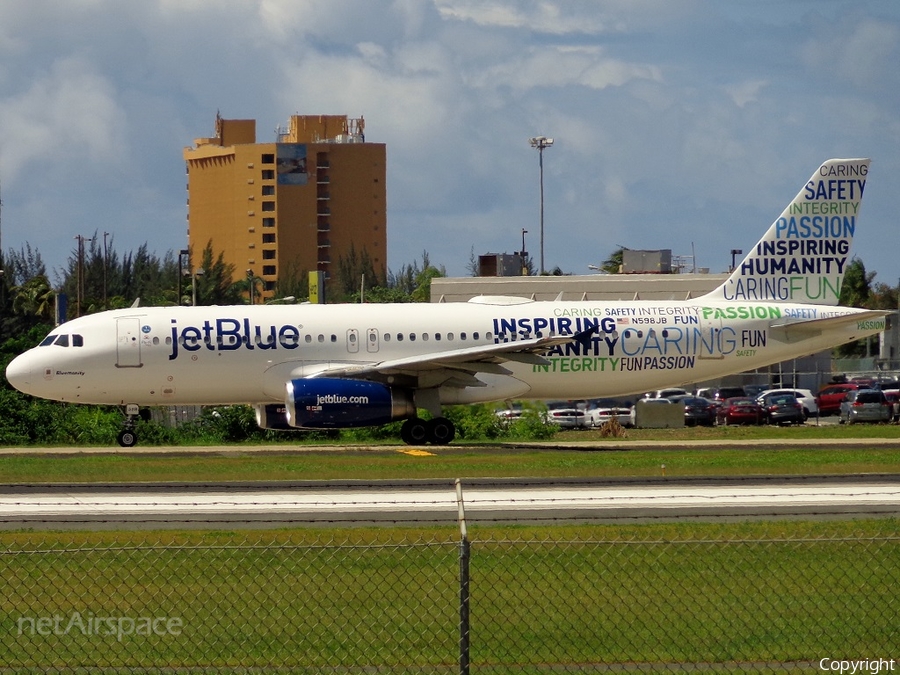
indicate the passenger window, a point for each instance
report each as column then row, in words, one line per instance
column 437, row 336
column 450, row 336
column 334, row 338
column 387, row 337
column 462, row 336
column 321, row 338
column 475, row 335
column 399, row 337
column 412, row 337
column 308, row 338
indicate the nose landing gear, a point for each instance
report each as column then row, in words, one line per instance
column 127, row 438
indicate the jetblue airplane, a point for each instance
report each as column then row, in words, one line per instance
column 335, row 366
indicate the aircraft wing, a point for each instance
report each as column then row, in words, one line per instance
column 456, row 367
column 796, row 331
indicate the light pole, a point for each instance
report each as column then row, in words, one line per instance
column 541, row 142
column 184, row 261
column 194, row 276
column 79, row 290
column 734, row 252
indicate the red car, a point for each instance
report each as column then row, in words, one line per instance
column 830, row 396
column 740, row 410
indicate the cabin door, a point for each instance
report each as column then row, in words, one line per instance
column 128, row 342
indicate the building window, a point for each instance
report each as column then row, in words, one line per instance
column 268, row 222
column 269, row 285
column 269, row 238
column 268, row 190
column 268, row 270
column 268, row 158
column 268, row 174
column 268, row 206
column 269, row 254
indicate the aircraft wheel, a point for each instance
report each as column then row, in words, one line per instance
column 127, row 438
column 414, row 431
column 441, row 431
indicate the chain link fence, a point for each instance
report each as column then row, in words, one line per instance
column 777, row 596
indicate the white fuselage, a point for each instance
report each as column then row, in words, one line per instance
column 247, row 354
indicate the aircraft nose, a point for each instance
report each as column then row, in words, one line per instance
column 18, row 372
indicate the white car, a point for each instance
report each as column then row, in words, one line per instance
column 666, row 393
column 566, row 415
column 805, row 396
column 599, row 416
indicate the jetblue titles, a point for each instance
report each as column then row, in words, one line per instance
column 232, row 334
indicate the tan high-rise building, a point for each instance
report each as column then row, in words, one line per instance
column 292, row 206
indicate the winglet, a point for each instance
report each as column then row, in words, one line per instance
column 803, row 256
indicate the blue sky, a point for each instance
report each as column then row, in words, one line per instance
column 679, row 124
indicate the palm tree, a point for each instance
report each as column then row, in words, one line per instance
column 34, row 298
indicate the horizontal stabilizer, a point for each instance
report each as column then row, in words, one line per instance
column 796, row 331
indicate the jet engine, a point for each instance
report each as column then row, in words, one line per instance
column 273, row 416
column 331, row 403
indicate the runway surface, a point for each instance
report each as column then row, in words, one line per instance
column 142, row 506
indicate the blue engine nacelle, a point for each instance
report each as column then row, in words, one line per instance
column 330, row 403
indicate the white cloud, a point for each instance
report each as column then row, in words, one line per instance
column 68, row 112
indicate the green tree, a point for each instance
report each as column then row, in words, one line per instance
column 856, row 289
column 215, row 285
column 613, row 264
column 351, row 269
column 35, row 298
column 293, row 282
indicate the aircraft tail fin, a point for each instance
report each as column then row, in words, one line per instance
column 803, row 256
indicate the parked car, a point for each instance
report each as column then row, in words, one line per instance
column 893, row 396
column 782, row 408
column 666, row 393
column 754, row 390
column 739, row 410
column 598, row 415
column 830, row 396
column 509, row 415
column 566, row 415
column 805, row 396
column 865, row 405
column 697, row 410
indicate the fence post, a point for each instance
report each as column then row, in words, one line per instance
column 464, row 554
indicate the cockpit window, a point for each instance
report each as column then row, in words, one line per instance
column 65, row 340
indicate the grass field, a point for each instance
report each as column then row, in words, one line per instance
column 734, row 597
column 728, row 451
column 565, row 597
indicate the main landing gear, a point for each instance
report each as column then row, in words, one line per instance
column 437, row 431
column 127, row 438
